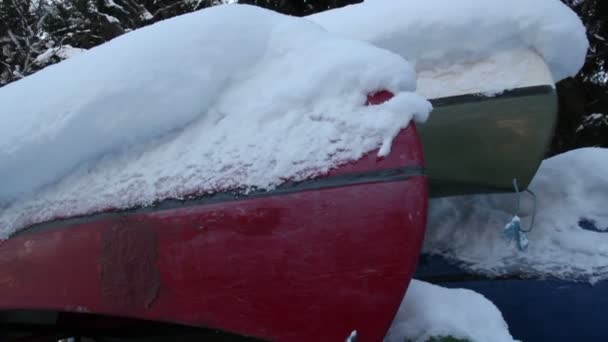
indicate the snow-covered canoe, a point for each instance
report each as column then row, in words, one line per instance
column 314, row 260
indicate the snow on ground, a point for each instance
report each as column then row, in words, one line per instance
column 446, row 37
column 572, row 193
column 230, row 96
column 429, row 311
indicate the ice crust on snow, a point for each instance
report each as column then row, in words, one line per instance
column 570, row 188
column 437, row 33
column 429, row 311
column 228, row 97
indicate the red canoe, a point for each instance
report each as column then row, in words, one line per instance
column 310, row 261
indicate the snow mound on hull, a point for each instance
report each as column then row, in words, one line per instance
column 570, row 236
column 429, row 311
column 231, row 96
column 437, row 33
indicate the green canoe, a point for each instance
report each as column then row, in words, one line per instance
column 475, row 143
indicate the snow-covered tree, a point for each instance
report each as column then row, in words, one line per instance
column 584, row 99
column 22, row 38
column 37, row 33
column 300, row 7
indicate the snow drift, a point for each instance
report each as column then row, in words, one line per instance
column 227, row 97
column 436, row 33
column 569, row 239
column 430, row 311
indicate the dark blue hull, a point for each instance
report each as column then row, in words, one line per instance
column 536, row 310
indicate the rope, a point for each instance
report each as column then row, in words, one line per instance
column 517, row 192
column 513, row 230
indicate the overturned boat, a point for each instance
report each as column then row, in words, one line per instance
column 329, row 257
column 326, row 258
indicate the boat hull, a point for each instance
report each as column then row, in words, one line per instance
column 478, row 144
column 309, row 261
column 478, row 140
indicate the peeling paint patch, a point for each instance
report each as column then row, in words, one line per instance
column 129, row 276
